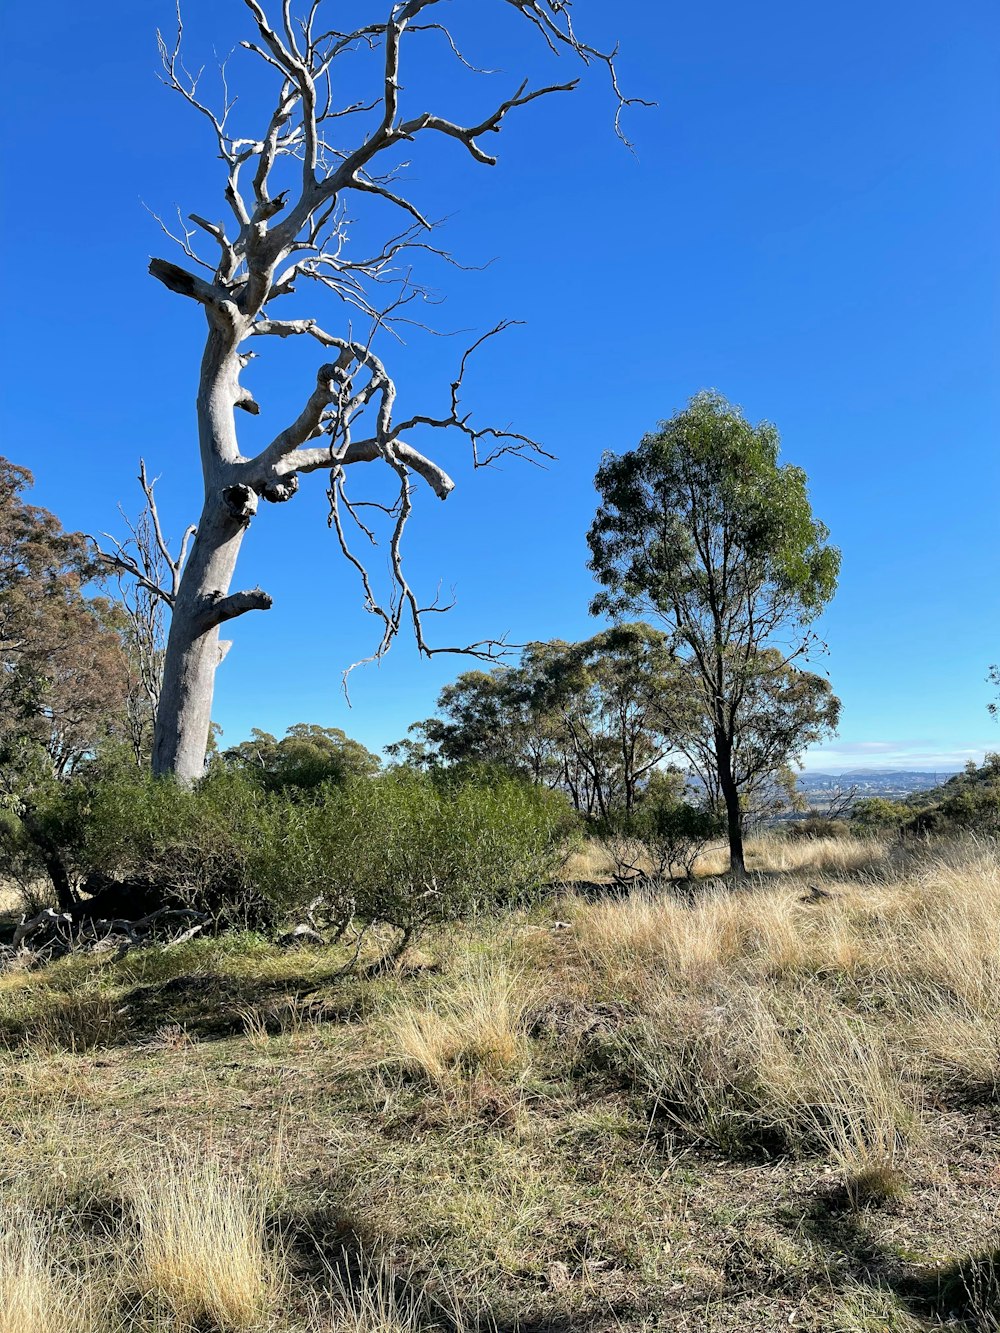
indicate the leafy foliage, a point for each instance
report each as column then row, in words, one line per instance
column 664, row 832
column 586, row 718
column 876, row 813
column 412, row 849
column 402, row 848
column 304, row 759
column 63, row 671
column 700, row 527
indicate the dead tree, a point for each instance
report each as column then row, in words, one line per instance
column 287, row 190
column 148, row 578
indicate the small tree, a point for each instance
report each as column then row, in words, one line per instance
column 666, row 830
column 148, row 577
column 63, row 670
column 64, row 679
column 290, row 181
column 783, row 709
column 702, row 528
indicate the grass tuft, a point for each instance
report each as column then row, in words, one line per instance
column 36, row 1294
column 478, row 1024
column 201, row 1241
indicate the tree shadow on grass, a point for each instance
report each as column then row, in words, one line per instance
column 337, row 1254
column 962, row 1292
column 208, row 1006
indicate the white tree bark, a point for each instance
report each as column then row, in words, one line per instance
column 275, row 242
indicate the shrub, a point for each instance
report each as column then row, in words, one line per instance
column 215, row 848
column 306, row 758
column 876, row 814
column 676, row 834
column 657, row 836
column 403, row 848
column 411, row 849
column 817, row 826
column 974, row 809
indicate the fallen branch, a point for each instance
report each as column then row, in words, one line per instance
column 52, row 934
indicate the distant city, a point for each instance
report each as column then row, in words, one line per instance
column 888, row 782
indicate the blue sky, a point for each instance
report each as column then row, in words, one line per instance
column 809, row 225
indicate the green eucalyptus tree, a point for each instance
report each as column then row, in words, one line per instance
column 701, row 528
column 583, row 717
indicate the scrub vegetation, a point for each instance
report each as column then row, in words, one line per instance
column 776, row 1106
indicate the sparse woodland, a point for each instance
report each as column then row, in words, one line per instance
column 565, row 1014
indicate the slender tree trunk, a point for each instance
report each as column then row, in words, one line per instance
column 65, row 897
column 734, row 814
column 52, row 859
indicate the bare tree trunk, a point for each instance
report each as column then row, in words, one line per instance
column 300, row 233
column 734, row 813
column 184, row 716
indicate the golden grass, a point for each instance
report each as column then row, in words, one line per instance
column 537, row 1159
column 201, row 1241
column 772, row 1016
column 11, row 897
column 749, row 1070
column 478, row 1023
column 36, row 1295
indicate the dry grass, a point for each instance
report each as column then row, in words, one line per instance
column 374, row 1297
column 771, row 1016
column 478, row 1023
column 201, row 1241
column 749, row 1072
column 777, row 854
column 11, row 898
column 756, row 1109
column 36, row 1294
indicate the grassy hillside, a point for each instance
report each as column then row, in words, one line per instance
column 768, row 1110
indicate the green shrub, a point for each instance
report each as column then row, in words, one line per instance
column 306, row 758
column 403, row 848
column 42, row 838
column 661, row 834
column 211, row 848
column 975, row 809
column 876, row 814
column 412, row 849
column 817, row 826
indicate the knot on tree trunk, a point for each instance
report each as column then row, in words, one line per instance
column 277, row 492
column 331, row 377
column 241, row 501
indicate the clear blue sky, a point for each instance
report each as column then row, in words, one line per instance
column 809, row 225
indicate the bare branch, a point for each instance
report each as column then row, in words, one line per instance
column 119, row 561
column 219, row 609
column 367, row 451
column 179, row 280
column 143, row 566
column 491, row 125
column 292, row 223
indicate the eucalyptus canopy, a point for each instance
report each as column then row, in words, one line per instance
column 701, row 528
column 588, row 717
